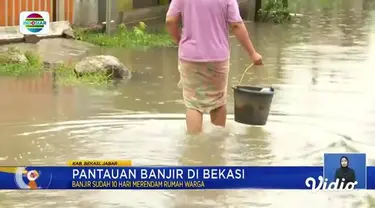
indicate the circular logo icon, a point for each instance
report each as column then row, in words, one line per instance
column 34, row 23
column 32, row 178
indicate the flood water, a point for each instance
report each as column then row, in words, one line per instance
column 321, row 65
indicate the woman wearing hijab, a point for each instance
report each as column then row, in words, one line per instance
column 204, row 55
column 345, row 172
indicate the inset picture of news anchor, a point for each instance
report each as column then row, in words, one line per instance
column 345, row 170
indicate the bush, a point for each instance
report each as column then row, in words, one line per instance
column 137, row 37
column 275, row 10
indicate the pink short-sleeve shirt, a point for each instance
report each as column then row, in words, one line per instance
column 205, row 32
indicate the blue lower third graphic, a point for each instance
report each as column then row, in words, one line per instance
column 345, row 170
column 202, row 177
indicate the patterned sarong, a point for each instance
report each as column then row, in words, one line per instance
column 204, row 84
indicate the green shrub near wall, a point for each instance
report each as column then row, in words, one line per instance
column 163, row 2
column 125, row 5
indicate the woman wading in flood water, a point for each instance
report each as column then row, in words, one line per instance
column 204, row 55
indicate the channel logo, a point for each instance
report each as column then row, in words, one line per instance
column 32, row 178
column 34, row 23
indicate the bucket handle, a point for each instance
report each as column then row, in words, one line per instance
column 251, row 65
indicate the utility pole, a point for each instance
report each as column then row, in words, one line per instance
column 108, row 18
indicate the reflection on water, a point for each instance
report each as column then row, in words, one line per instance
column 321, row 66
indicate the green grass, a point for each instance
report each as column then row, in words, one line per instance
column 136, row 37
column 10, row 67
column 18, row 70
column 34, row 67
column 66, row 76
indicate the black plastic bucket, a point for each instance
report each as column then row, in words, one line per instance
column 251, row 105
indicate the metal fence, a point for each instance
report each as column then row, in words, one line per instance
column 58, row 10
